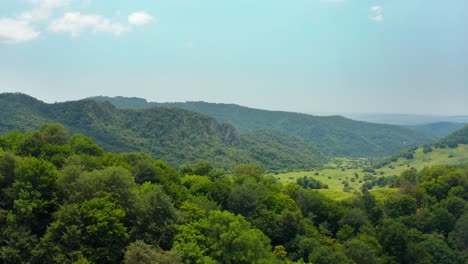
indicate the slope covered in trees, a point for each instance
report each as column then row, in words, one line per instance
column 439, row 129
column 176, row 135
column 453, row 140
column 64, row 200
column 333, row 135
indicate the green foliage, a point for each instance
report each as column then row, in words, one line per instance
column 311, row 183
column 96, row 207
column 360, row 252
column 154, row 217
column 223, row 237
column 104, row 231
column 140, row 253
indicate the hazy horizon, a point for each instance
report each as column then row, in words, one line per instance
column 314, row 56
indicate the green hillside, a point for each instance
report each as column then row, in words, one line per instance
column 344, row 176
column 277, row 149
column 333, row 135
column 176, row 135
column 454, row 139
column 439, row 129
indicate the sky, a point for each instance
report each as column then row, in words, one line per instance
column 312, row 56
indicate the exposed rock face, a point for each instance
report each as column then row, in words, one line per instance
column 230, row 134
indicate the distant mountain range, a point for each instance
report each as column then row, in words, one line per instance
column 407, row 119
column 333, row 135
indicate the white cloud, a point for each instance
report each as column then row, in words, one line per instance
column 376, row 14
column 376, row 9
column 75, row 23
column 42, row 10
column 378, row 18
column 22, row 28
column 139, row 18
column 16, row 31
column 34, row 15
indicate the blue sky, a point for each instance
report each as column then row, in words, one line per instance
column 314, row 56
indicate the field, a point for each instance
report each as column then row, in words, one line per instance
column 341, row 171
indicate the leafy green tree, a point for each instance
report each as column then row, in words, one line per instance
column 360, row 252
column 35, row 191
column 197, row 185
column 223, row 237
column 12, row 140
column 155, row 217
column 355, row 218
column 81, row 144
column 402, row 205
column 7, row 176
column 345, row 233
column 459, row 235
column 144, row 171
column 48, row 143
column 438, row 249
column 328, row 255
column 139, row 252
column 203, row 168
column 104, row 233
column 249, row 170
column 245, row 198
column 442, row 220
column 53, row 133
column 373, row 210
column 17, row 243
column 114, row 181
column 63, row 242
column 393, row 237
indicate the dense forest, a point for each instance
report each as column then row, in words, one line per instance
column 333, row 135
column 175, row 135
column 66, row 200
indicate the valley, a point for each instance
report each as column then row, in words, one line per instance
column 233, row 132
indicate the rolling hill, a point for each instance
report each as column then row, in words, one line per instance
column 333, row 135
column 451, row 149
column 439, row 129
column 453, row 140
column 175, row 135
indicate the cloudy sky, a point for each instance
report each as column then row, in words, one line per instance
column 374, row 56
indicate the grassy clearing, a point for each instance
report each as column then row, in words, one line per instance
column 338, row 171
column 436, row 157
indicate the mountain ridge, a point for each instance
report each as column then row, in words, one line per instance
column 176, row 135
column 334, row 135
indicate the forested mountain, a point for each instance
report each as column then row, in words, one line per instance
column 176, row 135
column 439, row 129
column 334, row 135
column 65, row 200
column 454, row 139
column 406, row 119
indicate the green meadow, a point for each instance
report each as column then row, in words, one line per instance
column 341, row 171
